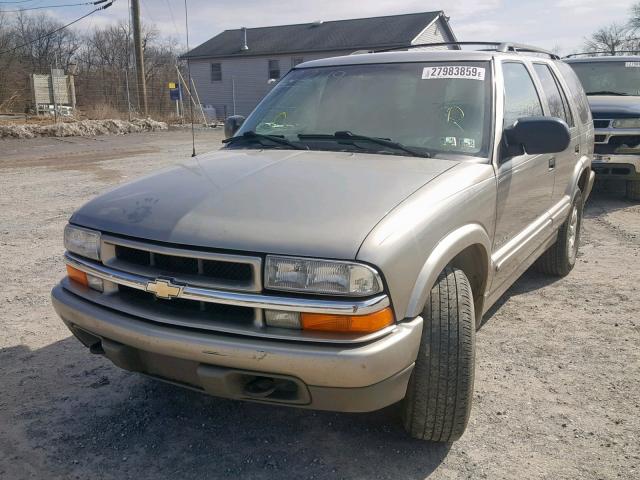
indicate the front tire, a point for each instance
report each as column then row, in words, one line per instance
column 560, row 259
column 633, row 190
column 440, row 391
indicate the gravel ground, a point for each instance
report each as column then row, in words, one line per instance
column 557, row 393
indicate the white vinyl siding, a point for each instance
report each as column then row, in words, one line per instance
column 435, row 33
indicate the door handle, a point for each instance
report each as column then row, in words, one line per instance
column 552, row 163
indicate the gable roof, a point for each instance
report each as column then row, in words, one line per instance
column 356, row 34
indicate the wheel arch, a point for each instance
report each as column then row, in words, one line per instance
column 580, row 178
column 474, row 262
column 467, row 248
column 584, row 178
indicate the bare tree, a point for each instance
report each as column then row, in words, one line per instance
column 42, row 48
column 616, row 38
column 609, row 39
column 634, row 21
column 106, row 68
column 103, row 59
column 10, row 91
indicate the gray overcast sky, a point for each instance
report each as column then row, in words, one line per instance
column 546, row 23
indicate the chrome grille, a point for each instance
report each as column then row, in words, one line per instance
column 170, row 265
column 601, row 123
column 131, row 255
column 213, row 311
column 187, row 266
column 183, row 266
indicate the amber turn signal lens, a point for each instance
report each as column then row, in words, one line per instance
column 347, row 323
column 77, row 275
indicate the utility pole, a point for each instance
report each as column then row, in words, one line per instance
column 53, row 94
column 137, row 49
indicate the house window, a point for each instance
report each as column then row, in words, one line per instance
column 216, row 72
column 296, row 60
column 274, row 69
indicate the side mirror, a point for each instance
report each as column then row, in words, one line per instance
column 232, row 124
column 536, row 135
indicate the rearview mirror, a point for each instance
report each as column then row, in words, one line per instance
column 536, row 135
column 232, row 124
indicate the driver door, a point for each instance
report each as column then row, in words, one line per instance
column 525, row 182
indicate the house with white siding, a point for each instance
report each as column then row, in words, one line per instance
column 235, row 69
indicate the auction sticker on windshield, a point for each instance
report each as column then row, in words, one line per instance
column 453, row 71
column 632, row 64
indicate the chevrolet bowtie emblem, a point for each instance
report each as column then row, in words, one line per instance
column 164, row 289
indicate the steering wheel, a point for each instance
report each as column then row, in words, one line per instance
column 279, row 118
column 454, row 115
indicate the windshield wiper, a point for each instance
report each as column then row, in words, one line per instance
column 352, row 137
column 608, row 92
column 251, row 136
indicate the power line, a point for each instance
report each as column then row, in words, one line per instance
column 58, row 29
column 175, row 26
column 49, row 6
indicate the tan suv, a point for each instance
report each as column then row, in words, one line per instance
column 340, row 251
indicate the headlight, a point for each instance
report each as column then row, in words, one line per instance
column 82, row 241
column 324, row 277
column 626, row 123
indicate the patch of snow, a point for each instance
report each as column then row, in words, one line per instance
column 83, row 128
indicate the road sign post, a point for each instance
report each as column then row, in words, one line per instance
column 175, row 94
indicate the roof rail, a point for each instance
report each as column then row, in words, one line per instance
column 609, row 54
column 498, row 47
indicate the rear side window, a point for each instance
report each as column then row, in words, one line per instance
column 576, row 92
column 520, row 95
column 555, row 97
column 565, row 100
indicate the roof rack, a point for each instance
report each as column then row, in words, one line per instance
column 634, row 52
column 503, row 47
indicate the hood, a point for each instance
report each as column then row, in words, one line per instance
column 610, row 106
column 270, row 201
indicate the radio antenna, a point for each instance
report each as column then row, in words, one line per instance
column 193, row 131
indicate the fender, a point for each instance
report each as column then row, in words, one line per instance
column 584, row 163
column 444, row 252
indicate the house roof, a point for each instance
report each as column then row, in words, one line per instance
column 356, row 34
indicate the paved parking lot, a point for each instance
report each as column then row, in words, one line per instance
column 557, row 393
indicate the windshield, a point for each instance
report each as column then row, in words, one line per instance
column 609, row 78
column 426, row 107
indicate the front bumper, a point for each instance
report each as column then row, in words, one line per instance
column 616, row 166
column 353, row 378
